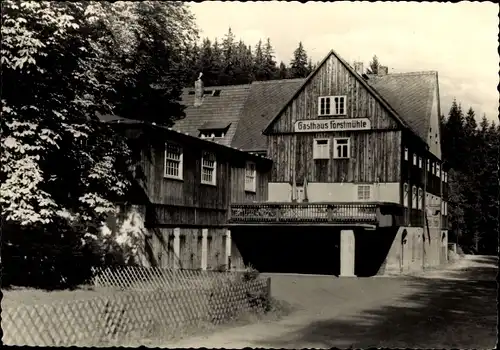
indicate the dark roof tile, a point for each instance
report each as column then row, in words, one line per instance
column 265, row 100
column 411, row 95
column 225, row 108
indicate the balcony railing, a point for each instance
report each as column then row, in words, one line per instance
column 314, row 213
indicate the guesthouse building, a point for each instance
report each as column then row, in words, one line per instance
column 357, row 183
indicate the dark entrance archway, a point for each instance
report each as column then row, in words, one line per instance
column 289, row 249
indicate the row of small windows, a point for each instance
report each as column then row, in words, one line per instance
column 341, row 148
column 432, row 167
column 174, row 166
column 417, row 199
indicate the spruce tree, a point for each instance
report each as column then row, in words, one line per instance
column 259, row 71
column 207, row 64
column 471, row 187
column 218, row 65
column 270, row 68
column 373, row 66
column 227, row 64
column 283, row 71
column 298, row 65
column 454, row 146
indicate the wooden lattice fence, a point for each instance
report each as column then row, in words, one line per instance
column 138, row 306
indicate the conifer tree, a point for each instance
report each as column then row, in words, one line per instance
column 282, row 71
column 298, row 65
column 373, row 66
column 270, row 68
column 259, row 71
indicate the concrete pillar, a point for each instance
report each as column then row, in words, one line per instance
column 347, row 245
column 177, row 247
column 204, row 248
column 228, row 250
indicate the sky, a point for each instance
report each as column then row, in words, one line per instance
column 459, row 40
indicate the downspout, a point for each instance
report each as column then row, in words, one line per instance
column 306, row 199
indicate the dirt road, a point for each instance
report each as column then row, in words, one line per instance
column 452, row 308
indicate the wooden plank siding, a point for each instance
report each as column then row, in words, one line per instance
column 188, row 202
column 375, row 153
column 333, row 79
column 189, row 191
column 375, row 156
column 238, row 193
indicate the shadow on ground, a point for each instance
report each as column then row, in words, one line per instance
column 442, row 313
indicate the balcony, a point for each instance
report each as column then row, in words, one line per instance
column 329, row 214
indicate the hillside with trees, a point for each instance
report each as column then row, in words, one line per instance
column 229, row 61
column 472, row 155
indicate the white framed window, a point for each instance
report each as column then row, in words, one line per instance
column 433, row 168
column 406, row 153
column 250, row 177
column 414, row 159
column 173, row 161
column 331, row 105
column 364, row 192
column 341, row 148
column 438, row 170
column 420, row 162
column 208, row 168
column 321, row 149
column 414, row 197
column 445, row 177
column 406, row 195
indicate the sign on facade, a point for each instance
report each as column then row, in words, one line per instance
column 325, row 125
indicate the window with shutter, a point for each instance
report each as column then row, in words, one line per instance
column 321, row 149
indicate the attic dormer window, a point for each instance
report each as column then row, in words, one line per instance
column 214, row 130
column 211, row 134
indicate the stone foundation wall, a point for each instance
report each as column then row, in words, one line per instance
column 415, row 249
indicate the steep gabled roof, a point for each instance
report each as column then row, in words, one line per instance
column 225, row 108
column 363, row 82
column 411, row 95
column 265, row 100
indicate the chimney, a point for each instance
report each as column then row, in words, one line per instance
column 198, row 91
column 358, row 67
column 383, row 70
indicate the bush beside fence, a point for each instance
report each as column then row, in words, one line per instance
column 172, row 302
